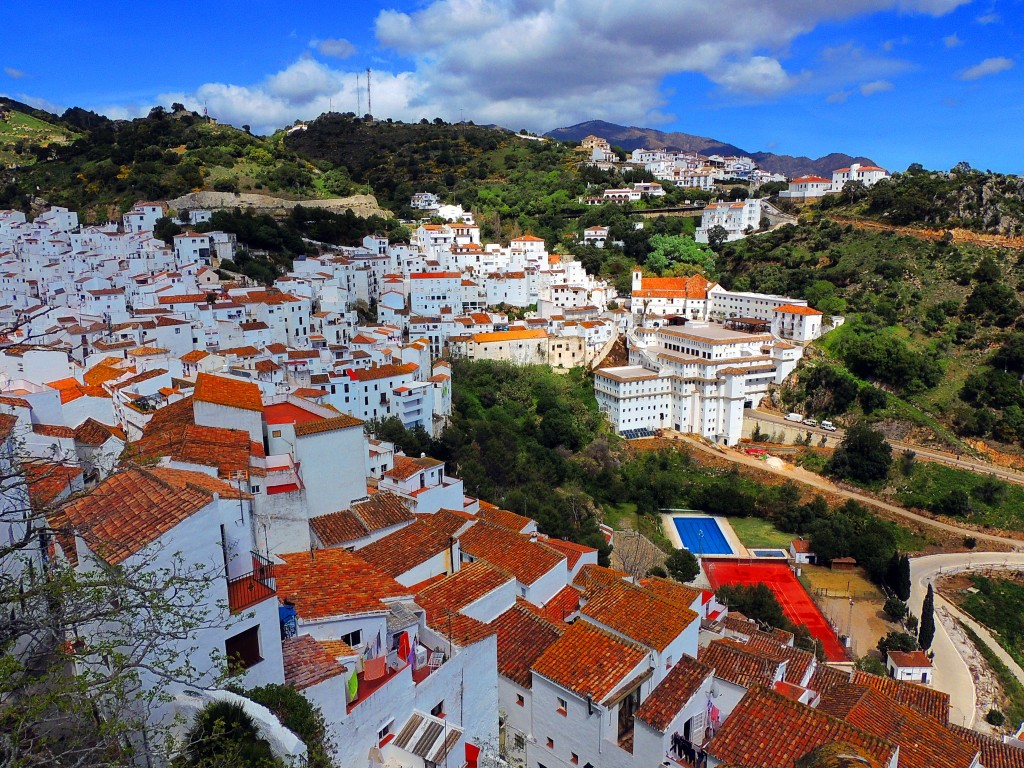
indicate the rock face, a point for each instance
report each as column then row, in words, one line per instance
column 360, row 205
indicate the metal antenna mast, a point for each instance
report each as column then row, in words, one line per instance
column 369, row 103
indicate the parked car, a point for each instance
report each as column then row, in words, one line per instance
column 810, row 422
column 794, row 417
column 828, row 426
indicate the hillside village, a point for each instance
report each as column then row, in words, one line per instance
column 153, row 403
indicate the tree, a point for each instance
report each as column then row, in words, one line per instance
column 902, row 585
column 756, row 601
column 683, row 253
column 895, row 609
column 682, row 565
column 225, row 734
column 864, row 455
column 896, row 641
column 165, row 229
column 926, row 633
column 717, row 237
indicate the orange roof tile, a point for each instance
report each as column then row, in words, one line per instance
column 307, row 662
column 927, row 701
column 795, row 309
column 94, row 433
column 592, row 578
column 589, row 661
column 502, row 517
column 994, row 753
column 639, row 615
column 562, row 606
column 302, row 429
column 737, row 664
column 527, row 561
column 694, row 287
column 406, row 548
column 334, row 582
column 670, row 590
column 680, row 685
column 383, row 372
column 405, row 467
column 194, row 356
column 46, row 481
column 234, row 393
column 461, row 589
column 522, row 638
column 768, row 730
column 382, row 510
column 498, row 337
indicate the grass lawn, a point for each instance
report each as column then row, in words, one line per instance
column 755, row 532
column 621, row 516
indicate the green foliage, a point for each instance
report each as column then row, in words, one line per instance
column 864, row 455
column 999, row 605
column 872, row 665
column 995, row 717
column 225, row 734
column 895, row 609
column 298, row 715
column 682, row 565
column 1012, row 687
column 926, row 633
column 679, row 255
column 897, row 641
column 755, row 601
column 962, row 493
column 829, row 390
column 852, row 531
column 166, row 229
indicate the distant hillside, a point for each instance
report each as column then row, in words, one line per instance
column 631, row 137
column 26, row 133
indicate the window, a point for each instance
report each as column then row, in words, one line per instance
column 438, row 709
column 243, row 650
column 519, row 742
column 384, row 734
column 563, row 707
column 275, row 433
column 520, row 701
column 353, row 639
column 551, row 743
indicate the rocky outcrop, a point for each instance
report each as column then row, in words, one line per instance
column 360, row 205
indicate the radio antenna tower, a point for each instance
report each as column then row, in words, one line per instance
column 369, row 103
column 359, row 97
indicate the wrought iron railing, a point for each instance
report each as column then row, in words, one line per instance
column 252, row 587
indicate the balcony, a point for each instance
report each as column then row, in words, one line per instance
column 253, row 587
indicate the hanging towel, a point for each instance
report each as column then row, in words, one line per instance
column 352, row 691
column 375, row 668
column 404, row 646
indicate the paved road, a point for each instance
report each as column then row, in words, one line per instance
column 800, row 475
column 952, row 674
column 951, row 459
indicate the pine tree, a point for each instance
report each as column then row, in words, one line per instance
column 902, row 586
column 927, row 631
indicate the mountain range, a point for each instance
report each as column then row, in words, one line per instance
column 632, row 137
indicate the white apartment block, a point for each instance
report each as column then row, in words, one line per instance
column 868, row 175
column 738, row 219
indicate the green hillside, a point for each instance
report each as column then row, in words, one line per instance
column 26, row 134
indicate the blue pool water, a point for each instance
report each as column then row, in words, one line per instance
column 769, row 552
column 702, row 535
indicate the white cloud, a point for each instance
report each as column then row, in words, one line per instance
column 990, row 66
column 876, row 86
column 13, row 73
column 952, row 41
column 338, row 48
column 542, row 63
column 988, row 18
column 838, row 97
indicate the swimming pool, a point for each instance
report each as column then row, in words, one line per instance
column 702, row 535
column 768, row 552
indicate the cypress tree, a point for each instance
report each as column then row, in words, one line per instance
column 902, row 586
column 926, row 633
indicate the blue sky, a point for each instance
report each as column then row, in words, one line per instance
column 901, row 81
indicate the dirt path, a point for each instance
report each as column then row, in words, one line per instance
column 960, row 236
column 808, row 478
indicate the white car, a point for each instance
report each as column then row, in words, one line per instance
column 828, row 426
column 809, row 422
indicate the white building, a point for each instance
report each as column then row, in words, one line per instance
column 868, row 175
column 807, row 188
column 738, row 219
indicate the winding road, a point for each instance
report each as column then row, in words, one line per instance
column 952, row 674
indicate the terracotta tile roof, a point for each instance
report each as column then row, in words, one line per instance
column 17, row 402
column 382, row 510
column 510, row 551
column 592, row 578
column 94, row 433
column 795, row 309
column 502, row 517
column 682, row 682
column 767, row 730
column 337, row 528
column 994, row 753
column 732, row 662
column 383, row 372
column 672, row 591
column 695, row 287
column 638, row 614
column 53, row 430
column 102, row 373
column 332, row 424
column 802, row 546
column 220, row 390
column 921, row 743
column 562, row 606
column 132, row 509
column 405, row 467
column 7, row 424
column 194, row 356
column 912, row 659
column 522, row 638
column 589, row 661
column 826, row 677
column 172, row 432
column 570, row 549
column 447, row 520
column 46, row 481
column 925, row 700
column 470, row 583
column 334, row 582
column 498, row 337
column 460, row 630
column 307, row 662
column 406, row 548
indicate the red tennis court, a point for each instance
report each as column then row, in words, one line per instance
column 796, row 603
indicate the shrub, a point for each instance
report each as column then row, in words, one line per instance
column 970, row 542
column 225, row 734
column 995, row 717
column 895, row 609
column 299, row 716
column 897, row 641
